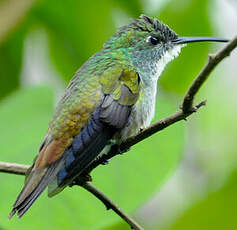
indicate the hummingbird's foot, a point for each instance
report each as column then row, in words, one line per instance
column 82, row 179
column 105, row 162
column 122, row 151
column 114, row 149
column 117, row 148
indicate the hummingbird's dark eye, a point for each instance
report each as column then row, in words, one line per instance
column 153, row 40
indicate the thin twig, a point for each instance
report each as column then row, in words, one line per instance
column 145, row 133
column 213, row 61
column 109, row 204
column 13, row 168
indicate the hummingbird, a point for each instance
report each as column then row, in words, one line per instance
column 109, row 99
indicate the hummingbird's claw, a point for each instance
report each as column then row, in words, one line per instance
column 117, row 149
column 82, row 179
column 105, row 162
column 141, row 128
column 122, row 151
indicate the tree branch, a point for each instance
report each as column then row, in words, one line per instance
column 186, row 110
column 213, row 61
column 109, row 204
column 145, row 133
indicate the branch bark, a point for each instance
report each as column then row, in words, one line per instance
column 187, row 109
column 13, row 168
column 213, row 61
column 109, row 204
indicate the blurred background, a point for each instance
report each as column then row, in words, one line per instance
column 184, row 177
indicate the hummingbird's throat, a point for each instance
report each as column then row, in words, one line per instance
column 168, row 56
column 150, row 63
column 149, row 79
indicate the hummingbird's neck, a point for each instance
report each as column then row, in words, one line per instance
column 150, row 65
column 151, row 69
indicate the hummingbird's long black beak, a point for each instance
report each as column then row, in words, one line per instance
column 183, row 40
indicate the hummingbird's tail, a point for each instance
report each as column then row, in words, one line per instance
column 62, row 160
column 36, row 182
column 75, row 158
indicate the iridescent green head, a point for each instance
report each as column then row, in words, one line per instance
column 148, row 45
column 141, row 33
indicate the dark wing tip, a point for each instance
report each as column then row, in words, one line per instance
column 35, row 185
column 19, row 210
column 12, row 213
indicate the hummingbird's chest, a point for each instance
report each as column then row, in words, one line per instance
column 145, row 107
column 143, row 111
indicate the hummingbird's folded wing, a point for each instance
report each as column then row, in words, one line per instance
column 108, row 118
column 80, row 130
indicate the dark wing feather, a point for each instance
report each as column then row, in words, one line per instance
column 85, row 147
column 104, row 123
column 113, row 113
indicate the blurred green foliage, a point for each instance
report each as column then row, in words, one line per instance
column 11, row 56
column 75, row 31
column 218, row 210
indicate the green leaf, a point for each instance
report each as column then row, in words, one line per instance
column 129, row 180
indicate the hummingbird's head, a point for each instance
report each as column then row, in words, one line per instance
column 148, row 45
